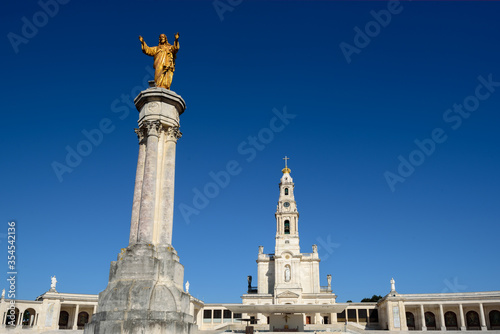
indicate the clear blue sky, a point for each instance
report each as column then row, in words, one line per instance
column 436, row 231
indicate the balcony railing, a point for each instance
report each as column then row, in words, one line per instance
column 325, row 289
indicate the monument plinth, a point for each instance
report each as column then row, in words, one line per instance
column 145, row 290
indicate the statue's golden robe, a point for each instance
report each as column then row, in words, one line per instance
column 164, row 62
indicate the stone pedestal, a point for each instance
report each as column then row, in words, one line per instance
column 145, row 290
column 144, row 294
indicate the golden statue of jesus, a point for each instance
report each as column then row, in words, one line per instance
column 164, row 59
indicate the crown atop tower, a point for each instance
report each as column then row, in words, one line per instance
column 286, row 178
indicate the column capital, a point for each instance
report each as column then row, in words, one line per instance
column 151, row 128
column 173, row 133
column 141, row 133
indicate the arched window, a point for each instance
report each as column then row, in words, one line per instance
column 430, row 320
column 410, row 320
column 83, row 318
column 473, row 320
column 450, row 320
column 29, row 317
column 286, row 191
column 63, row 320
column 287, row 227
column 495, row 319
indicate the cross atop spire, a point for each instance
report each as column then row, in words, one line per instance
column 286, row 169
column 286, row 158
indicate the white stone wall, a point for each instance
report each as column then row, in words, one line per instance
column 47, row 310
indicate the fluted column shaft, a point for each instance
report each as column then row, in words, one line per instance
column 139, row 175
column 167, row 188
column 148, row 193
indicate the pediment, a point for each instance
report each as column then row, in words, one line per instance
column 288, row 294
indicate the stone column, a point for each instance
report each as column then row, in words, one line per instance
column 199, row 318
column 167, row 187
column 404, row 324
column 139, row 175
column 422, row 314
column 20, row 320
column 148, row 193
column 441, row 317
column 333, row 318
column 462, row 318
column 390, row 317
column 75, row 318
column 481, row 317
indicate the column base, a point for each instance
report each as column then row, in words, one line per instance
column 144, row 294
column 463, row 328
column 443, row 328
column 484, row 328
column 424, row 328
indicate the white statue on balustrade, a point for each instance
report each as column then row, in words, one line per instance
column 53, row 282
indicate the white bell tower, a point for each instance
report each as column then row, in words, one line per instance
column 287, row 216
column 288, row 282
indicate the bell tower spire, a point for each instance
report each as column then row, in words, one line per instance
column 287, row 216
